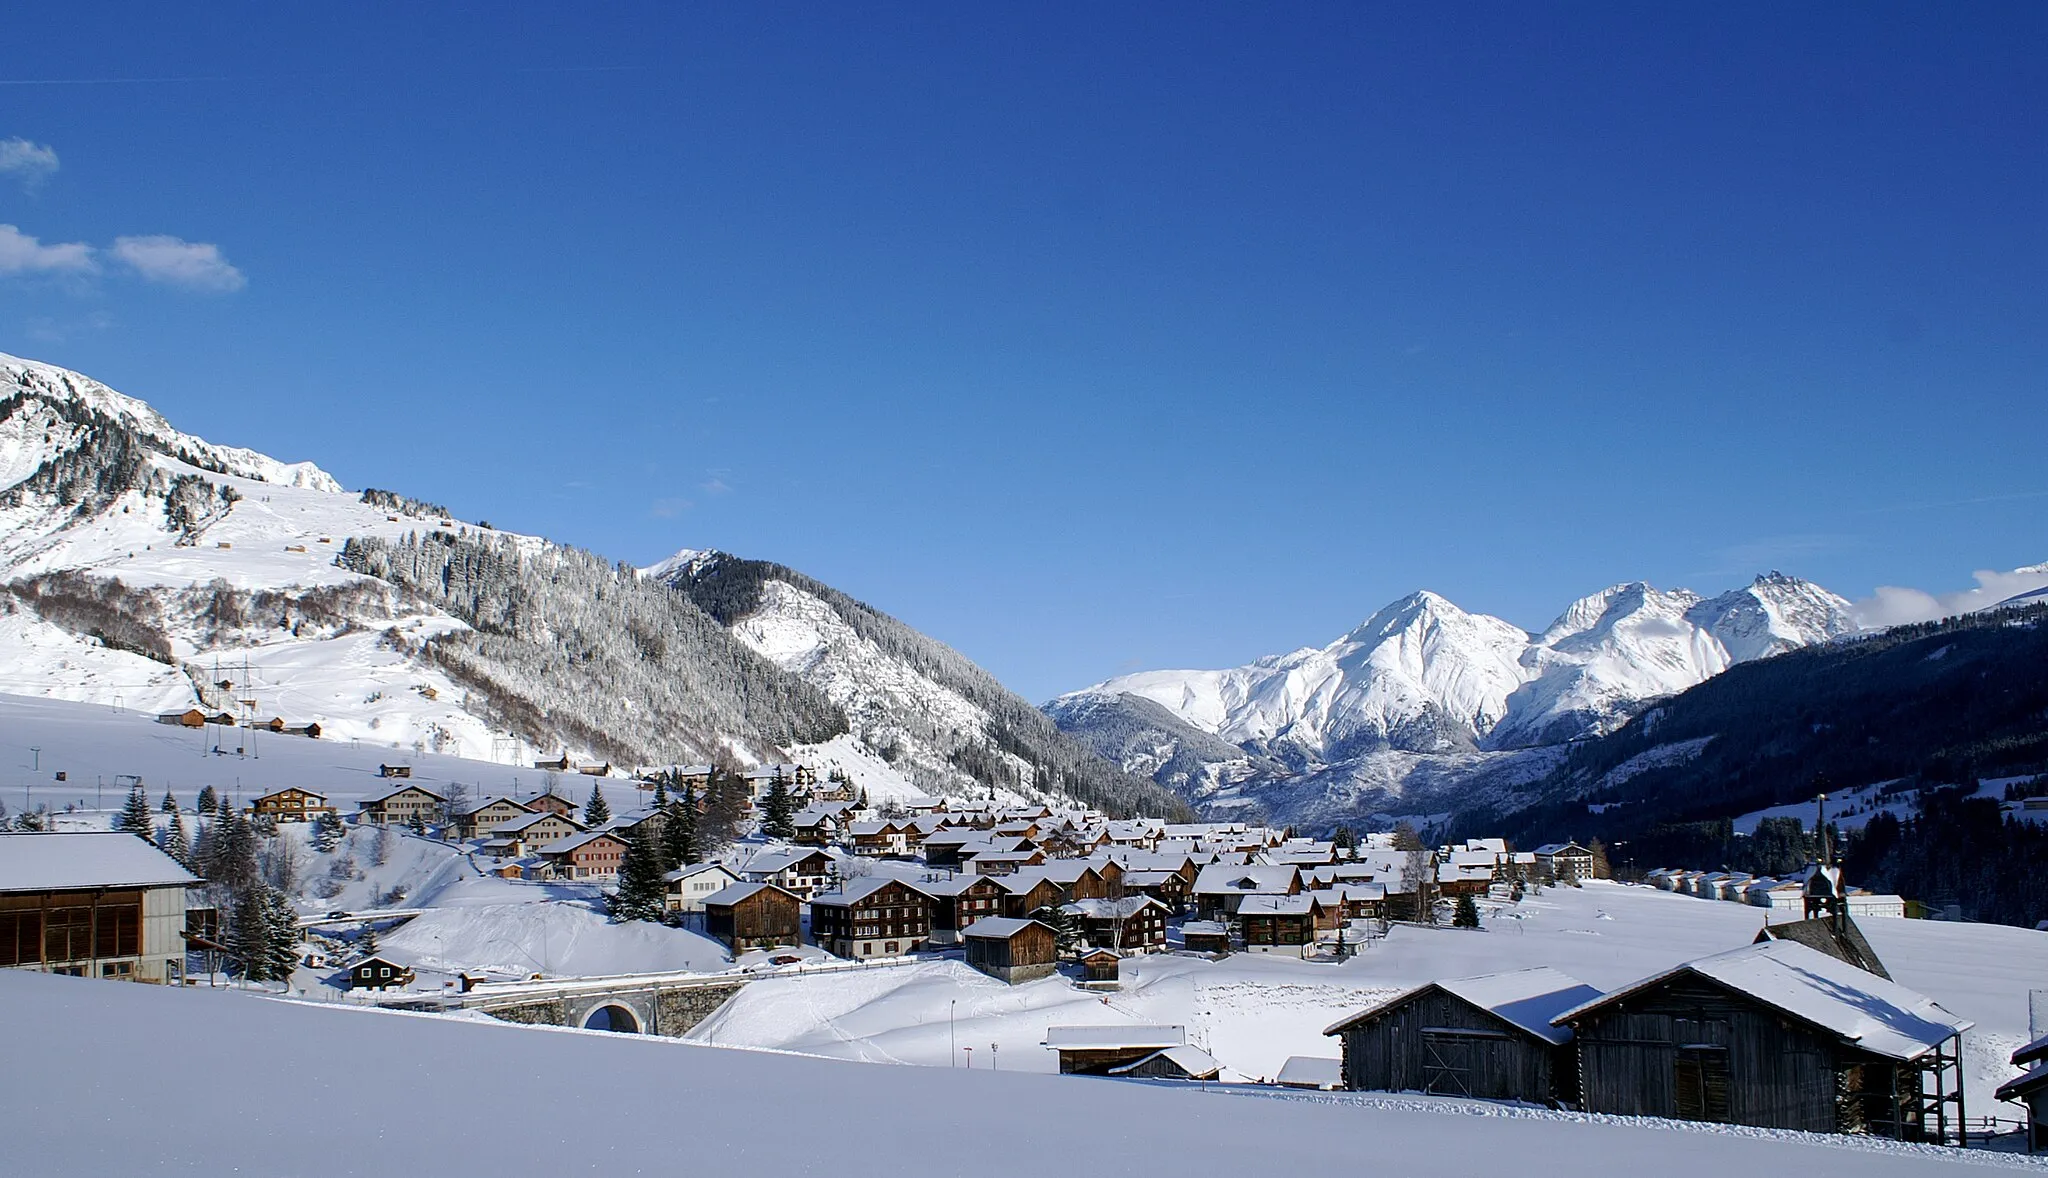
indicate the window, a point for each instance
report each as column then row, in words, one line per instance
column 21, row 936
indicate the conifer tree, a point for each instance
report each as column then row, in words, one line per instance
column 679, row 830
column 135, row 817
column 1066, row 930
column 281, row 921
column 327, row 832
column 416, row 824
column 208, row 799
column 173, row 841
column 640, row 884
column 170, row 805
column 1467, row 915
column 597, row 811
column 661, row 792
column 776, row 811
column 367, row 943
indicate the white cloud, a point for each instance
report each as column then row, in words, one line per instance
column 1892, row 605
column 31, row 163
column 174, row 261
column 669, row 508
column 22, row 254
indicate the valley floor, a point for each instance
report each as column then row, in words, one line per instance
column 212, row 1082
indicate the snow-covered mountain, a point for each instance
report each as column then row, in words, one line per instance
column 148, row 569
column 1423, row 687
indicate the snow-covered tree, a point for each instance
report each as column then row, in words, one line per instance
column 170, row 805
column 1467, row 914
column 172, row 840
column 679, row 830
column 597, row 811
column 327, row 832
column 208, row 799
column 777, row 808
column 640, row 895
column 135, row 817
column 1066, row 928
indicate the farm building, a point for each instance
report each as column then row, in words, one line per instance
column 686, row 888
column 1311, row 1071
column 2031, row 1089
column 291, row 804
column 1172, row 1063
column 1009, row 949
column 1102, row 964
column 871, row 917
column 1093, row 1051
column 1838, row 937
column 1205, row 936
column 378, row 973
column 1489, row 1037
column 402, row 806
column 97, row 904
column 753, row 915
column 1775, row 1035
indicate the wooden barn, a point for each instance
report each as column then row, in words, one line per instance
column 2031, row 1089
column 1172, row 1063
column 1489, row 1037
column 1009, row 949
column 377, row 973
column 1094, row 1051
column 1775, row 1035
column 753, row 915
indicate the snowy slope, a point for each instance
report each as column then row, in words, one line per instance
column 1424, row 678
column 663, row 1106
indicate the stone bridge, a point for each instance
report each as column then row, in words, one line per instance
column 641, row 1004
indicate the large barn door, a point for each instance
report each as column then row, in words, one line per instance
column 1448, row 1062
column 1700, row 1081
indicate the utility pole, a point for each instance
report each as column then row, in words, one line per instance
column 37, row 751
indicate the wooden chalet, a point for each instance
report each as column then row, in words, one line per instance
column 878, row 839
column 291, row 804
column 383, row 770
column 942, row 848
column 402, row 806
column 1775, row 1035
column 871, row 917
column 378, row 973
column 1094, row 1050
column 1488, row 1037
column 1279, row 923
column 1133, row 924
column 753, row 915
column 550, row 802
column 1221, row 887
column 1314, row 1072
column 538, row 830
column 959, row 902
column 595, row 854
column 189, row 718
column 483, row 817
column 1100, row 964
column 806, row 873
column 1009, row 949
column 558, row 765
column 1205, row 936
column 1028, row 892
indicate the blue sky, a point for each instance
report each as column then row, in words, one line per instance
column 1086, row 341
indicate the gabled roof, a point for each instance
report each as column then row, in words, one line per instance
column 2037, row 1050
column 1000, row 928
column 745, row 889
column 403, row 789
column 1549, row 849
column 71, row 860
column 563, row 846
column 1194, row 1062
column 1879, row 1016
column 1113, row 1036
column 1310, row 1071
column 524, row 821
column 690, row 869
column 1527, row 999
column 1122, row 909
column 473, row 807
column 2021, row 1086
column 1267, row 904
column 854, row 891
column 1846, row 944
column 771, row 862
column 1245, row 879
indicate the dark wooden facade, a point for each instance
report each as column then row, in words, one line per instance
column 883, row 920
column 763, row 918
column 1434, row 1041
column 1689, row 1048
column 377, row 973
column 955, row 910
column 1026, row 952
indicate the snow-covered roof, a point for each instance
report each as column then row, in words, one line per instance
column 2038, row 1049
column 1879, row 1016
column 524, row 821
column 1204, row 928
column 1244, row 879
column 999, row 927
column 734, row 893
column 403, row 789
column 473, row 807
column 856, row 890
column 1549, row 849
column 690, row 869
column 771, row 862
column 1311, row 1071
column 1529, row 999
column 56, row 862
column 563, row 846
column 2021, row 1085
column 1122, row 909
column 1197, row 1063
column 1126, row 1035
column 1263, row 904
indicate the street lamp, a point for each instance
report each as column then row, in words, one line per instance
column 970, row 1057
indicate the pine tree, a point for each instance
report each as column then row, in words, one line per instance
column 640, row 895
column 135, row 817
column 367, row 943
column 327, row 832
column 1467, row 915
column 208, row 799
column 251, row 940
column 776, row 811
column 596, row 812
column 281, row 921
column 661, row 792
column 416, row 824
column 679, row 830
column 1066, row 929
column 170, row 805
column 173, row 841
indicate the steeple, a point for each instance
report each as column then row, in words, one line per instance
column 1823, row 887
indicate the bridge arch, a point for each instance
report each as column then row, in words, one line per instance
column 613, row 1017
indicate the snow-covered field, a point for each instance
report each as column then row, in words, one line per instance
column 317, row 1091
column 1252, row 1011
